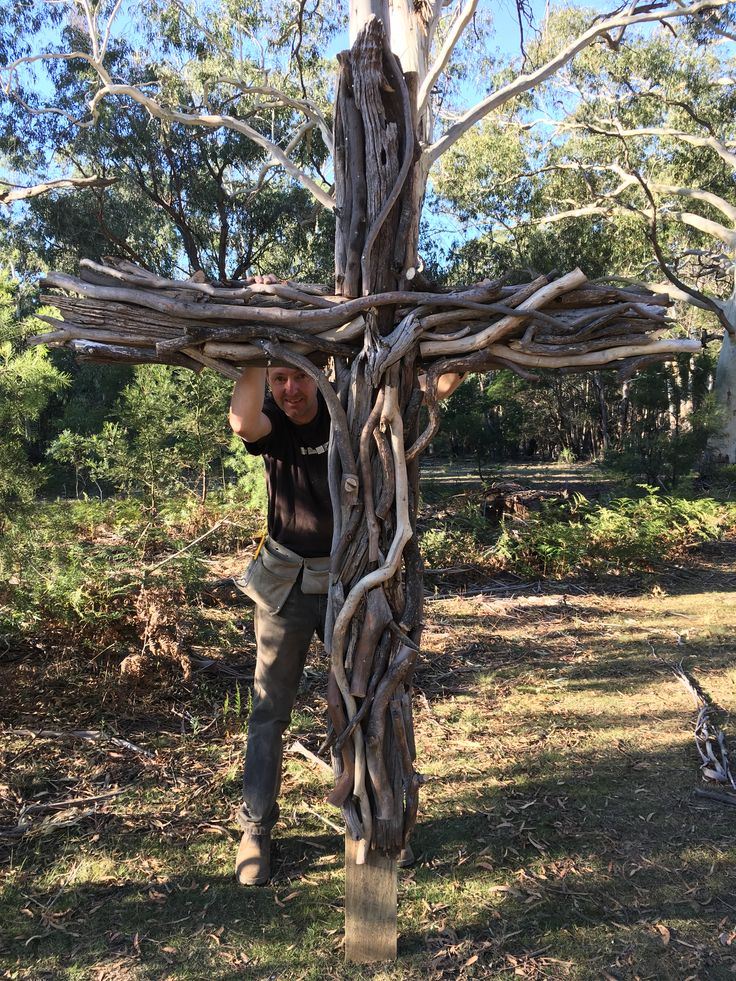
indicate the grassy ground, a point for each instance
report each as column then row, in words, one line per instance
column 558, row 836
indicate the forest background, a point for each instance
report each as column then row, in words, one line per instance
column 621, row 162
column 589, row 168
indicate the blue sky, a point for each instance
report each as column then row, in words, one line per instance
column 505, row 42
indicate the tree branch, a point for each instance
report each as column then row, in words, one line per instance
column 462, row 21
column 305, row 106
column 215, row 121
column 711, row 142
column 708, row 227
column 651, row 12
column 17, row 193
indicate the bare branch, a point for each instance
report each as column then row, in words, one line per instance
column 293, row 143
column 651, row 12
column 305, row 106
column 705, row 225
column 215, row 121
column 106, row 38
column 717, row 309
column 669, row 289
column 708, row 227
column 720, row 31
column 629, row 180
column 17, row 193
column 462, row 21
column 707, row 197
column 711, row 142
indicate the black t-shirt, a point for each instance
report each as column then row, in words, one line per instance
column 299, row 507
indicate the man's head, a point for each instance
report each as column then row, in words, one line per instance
column 295, row 392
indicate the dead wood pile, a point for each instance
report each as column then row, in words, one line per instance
column 508, row 499
column 120, row 312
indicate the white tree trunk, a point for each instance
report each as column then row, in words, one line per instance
column 723, row 446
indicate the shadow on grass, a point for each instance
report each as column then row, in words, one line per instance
column 551, row 844
column 583, row 859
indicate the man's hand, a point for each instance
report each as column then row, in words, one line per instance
column 266, row 278
column 446, row 384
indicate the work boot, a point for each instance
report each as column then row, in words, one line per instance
column 406, row 857
column 253, row 862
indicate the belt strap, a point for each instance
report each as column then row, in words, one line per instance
column 319, row 562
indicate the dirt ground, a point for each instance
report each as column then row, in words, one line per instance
column 562, row 829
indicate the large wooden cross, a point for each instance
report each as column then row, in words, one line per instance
column 379, row 330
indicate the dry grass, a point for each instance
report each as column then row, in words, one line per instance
column 558, row 833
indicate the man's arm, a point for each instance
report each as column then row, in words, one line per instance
column 246, row 416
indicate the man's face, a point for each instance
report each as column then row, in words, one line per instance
column 295, row 393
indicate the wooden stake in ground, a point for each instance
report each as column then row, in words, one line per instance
column 370, row 906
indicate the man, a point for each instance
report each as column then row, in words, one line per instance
column 290, row 428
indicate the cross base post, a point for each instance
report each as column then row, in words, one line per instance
column 370, row 906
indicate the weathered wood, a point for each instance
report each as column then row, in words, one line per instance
column 370, row 906
column 540, row 334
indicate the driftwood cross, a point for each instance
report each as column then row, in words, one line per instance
column 378, row 329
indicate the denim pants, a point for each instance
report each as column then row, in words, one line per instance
column 282, row 641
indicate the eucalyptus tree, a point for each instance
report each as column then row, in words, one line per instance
column 645, row 149
column 156, row 193
column 258, row 75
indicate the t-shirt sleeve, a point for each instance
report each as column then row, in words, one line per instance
column 264, row 444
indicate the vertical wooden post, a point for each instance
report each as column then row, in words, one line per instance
column 370, row 906
column 377, row 220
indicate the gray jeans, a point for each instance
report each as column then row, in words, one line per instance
column 282, row 641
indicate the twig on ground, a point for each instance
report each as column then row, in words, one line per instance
column 478, row 591
column 91, row 735
column 216, row 666
column 301, row 749
column 75, row 802
column 195, row 541
column 324, row 820
column 722, row 798
column 48, row 825
column 710, row 740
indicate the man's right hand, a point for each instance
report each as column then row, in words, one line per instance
column 264, row 279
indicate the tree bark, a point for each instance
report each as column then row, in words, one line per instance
column 723, row 446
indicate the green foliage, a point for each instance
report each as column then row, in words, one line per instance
column 170, row 433
column 235, row 713
column 54, row 578
column 440, row 547
column 464, row 533
column 28, row 379
column 250, row 482
column 628, row 534
column 79, row 565
column 662, row 456
column 184, row 197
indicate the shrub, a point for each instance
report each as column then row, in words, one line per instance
column 666, row 457
column 79, row 565
column 250, row 486
column 441, row 547
column 628, row 534
column 464, row 536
